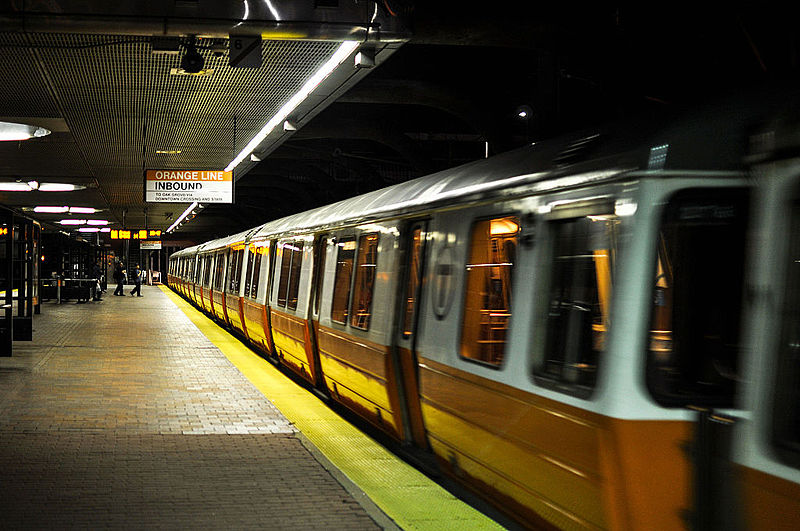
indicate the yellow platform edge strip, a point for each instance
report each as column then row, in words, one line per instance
column 403, row 493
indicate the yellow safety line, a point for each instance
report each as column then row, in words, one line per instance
column 406, row 495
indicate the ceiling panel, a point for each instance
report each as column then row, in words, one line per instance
column 121, row 103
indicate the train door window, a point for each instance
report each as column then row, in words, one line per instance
column 786, row 401
column 235, row 269
column 322, row 250
column 414, row 276
column 366, row 269
column 487, row 303
column 286, row 265
column 582, row 252
column 697, row 298
column 248, row 273
column 259, row 252
column 207, row 272
column 345, row 255
column 294, row 278
column 291, row 265
column 219, row 272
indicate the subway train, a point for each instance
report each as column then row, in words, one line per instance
column 597, row 331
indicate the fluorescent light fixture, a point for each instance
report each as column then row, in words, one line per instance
column 89, row 229
column 168, row 151
column 82, row 210
column 105, row 229
column 42, row 187
column 59, row 187
column 97, row 222
column 51, row 209
column 183, row 216
column 12, row 131
column 14, row 187
column 342, row 53
column 73, row 222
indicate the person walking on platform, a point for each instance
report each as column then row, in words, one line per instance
column 137, row 280
column 119, row 278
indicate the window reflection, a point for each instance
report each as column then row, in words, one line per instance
column 583, row 252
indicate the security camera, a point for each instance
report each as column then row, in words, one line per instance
column 192, row 62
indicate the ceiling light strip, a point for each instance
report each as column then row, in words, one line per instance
column 182, row 216
column 342, row 53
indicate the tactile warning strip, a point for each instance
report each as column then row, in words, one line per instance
column 406, row 495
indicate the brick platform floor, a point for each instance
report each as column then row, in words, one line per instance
column 122, row 414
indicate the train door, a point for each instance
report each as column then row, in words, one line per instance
column 410, row 291
column 212, row 273
column 317, row 279
column 766, row 443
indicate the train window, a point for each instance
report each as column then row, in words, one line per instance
column 694, row 334
column 345, row 256
column 366, row 266
column 786, row 402
column 412, row 285
column 294, row 277
column 487, row 304
column 583, row 251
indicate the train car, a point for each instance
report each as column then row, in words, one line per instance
column 766, row 437
column 547, row 323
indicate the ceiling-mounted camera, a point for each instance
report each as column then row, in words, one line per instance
column 192, row 62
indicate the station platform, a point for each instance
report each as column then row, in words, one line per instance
column 142, row 413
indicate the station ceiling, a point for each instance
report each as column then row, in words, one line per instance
column 447, row 89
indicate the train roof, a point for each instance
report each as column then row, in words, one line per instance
column 710, row 138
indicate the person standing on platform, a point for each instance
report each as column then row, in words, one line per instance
column 97, row 274
column 137, row 280
column 119, row 278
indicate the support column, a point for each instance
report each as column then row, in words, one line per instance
column 6, row 284
column 23, row 279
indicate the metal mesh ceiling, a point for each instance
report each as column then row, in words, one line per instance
column 121, row 104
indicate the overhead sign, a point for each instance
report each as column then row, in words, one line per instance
column 152, row 246
column 135, row 234
column 188, row 186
